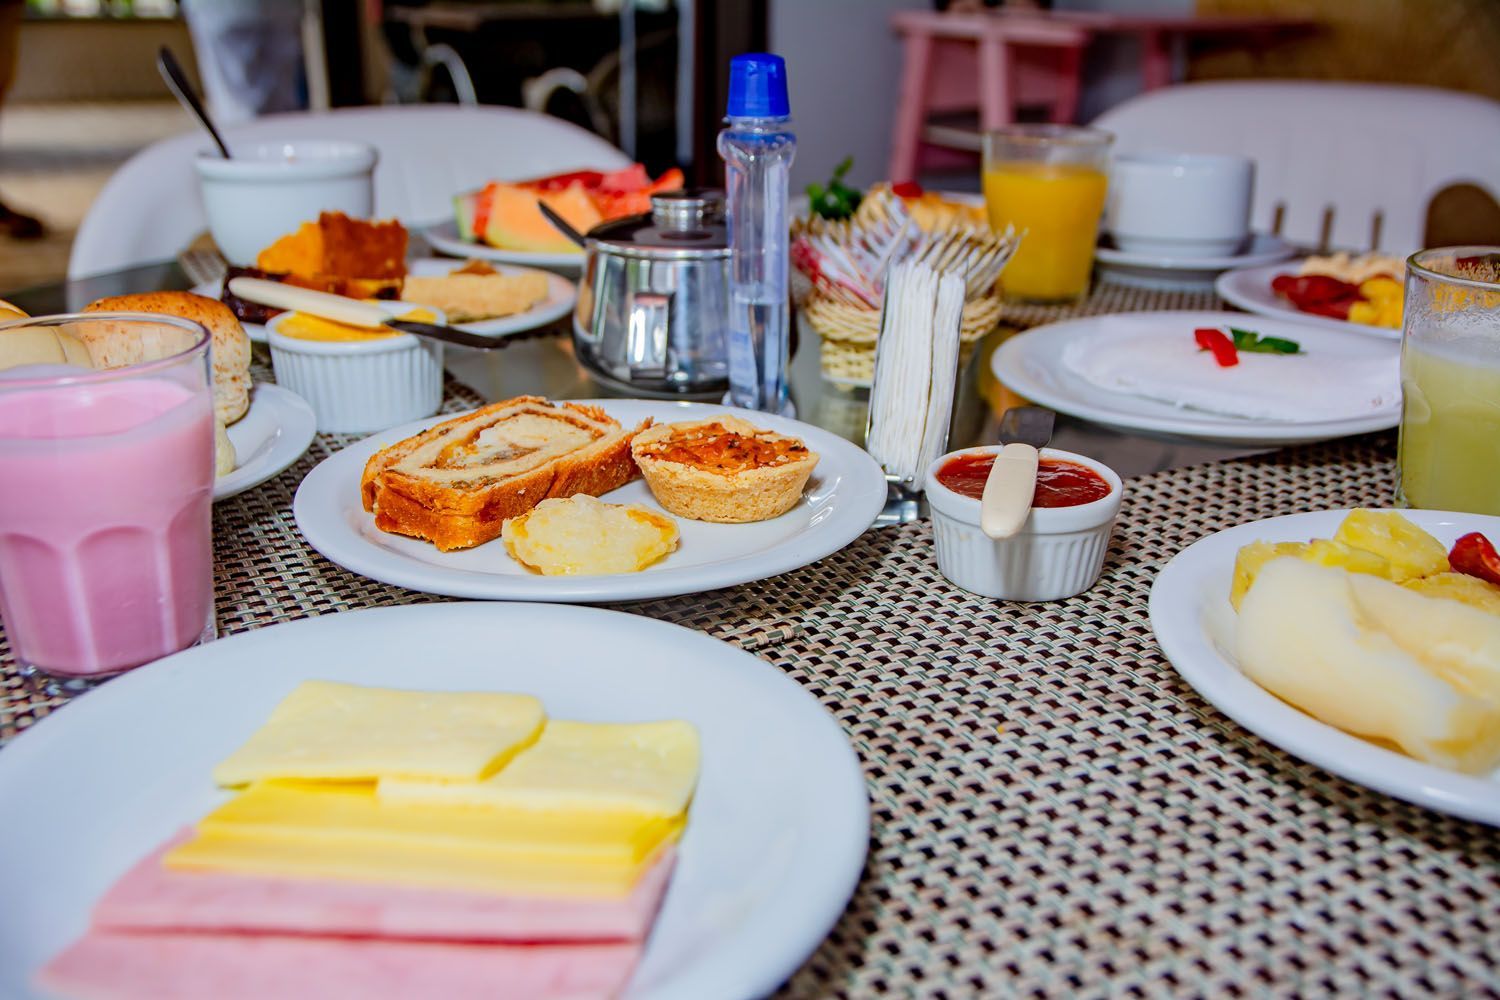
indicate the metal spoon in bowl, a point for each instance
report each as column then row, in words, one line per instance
column 178, row 83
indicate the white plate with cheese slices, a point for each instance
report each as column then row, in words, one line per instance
column 1142, row 372
column 842, row 499
column 1194, row 623
column 776, row 834
column 272, row 434
column 561, row 294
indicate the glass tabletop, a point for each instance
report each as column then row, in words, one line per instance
column 546, row 366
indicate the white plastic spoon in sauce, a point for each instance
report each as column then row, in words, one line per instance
column 1008, row 491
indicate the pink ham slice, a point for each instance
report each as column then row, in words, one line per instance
column 150, row 897
column 114, row 965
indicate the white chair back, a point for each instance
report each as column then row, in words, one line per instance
column 150, row 209
column 1329, row 157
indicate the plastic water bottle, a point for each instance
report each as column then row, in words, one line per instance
column 757, row 146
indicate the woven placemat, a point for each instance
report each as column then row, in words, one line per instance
column 1057, row 813
column 1054, row 811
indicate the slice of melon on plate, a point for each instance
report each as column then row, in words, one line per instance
column 516, row 223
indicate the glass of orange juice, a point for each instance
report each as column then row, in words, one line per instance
column 1449, row 453
column 1048, row 181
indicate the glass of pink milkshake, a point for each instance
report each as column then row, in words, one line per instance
column 106, row 496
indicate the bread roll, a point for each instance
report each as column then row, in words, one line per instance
column 225, row 458
column 112, row 345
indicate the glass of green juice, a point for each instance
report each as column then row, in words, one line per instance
column 1449, row 453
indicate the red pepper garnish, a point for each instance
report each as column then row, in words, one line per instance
column 1474, row 555
column 1219, row 343
column 907, row 189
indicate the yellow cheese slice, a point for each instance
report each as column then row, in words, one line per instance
column 470, row 868
column 331, row 731
column 649, row 767
column 350, row 813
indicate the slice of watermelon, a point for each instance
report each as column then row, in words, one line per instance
column 590, row 179
column 631, row 178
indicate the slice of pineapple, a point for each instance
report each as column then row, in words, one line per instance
column 1410, row 551
column 1328, row 552
column 1461, row 587
column 1251, row 558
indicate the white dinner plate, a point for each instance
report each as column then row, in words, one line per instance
column 561, row 294
column 1250, row 289
column 845, row 494
column 1031, row 364
column 1194, row 623
column 775, row 840
column 272, row 434
column 444, row 238
column 1166, row 273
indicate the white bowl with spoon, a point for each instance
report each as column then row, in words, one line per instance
column 1022, row 524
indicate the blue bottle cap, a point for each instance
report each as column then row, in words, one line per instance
column 757, row 86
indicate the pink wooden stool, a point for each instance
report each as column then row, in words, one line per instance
column 1015, row 61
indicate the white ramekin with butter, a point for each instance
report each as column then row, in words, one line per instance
column 358, row 382
column 1059, row 551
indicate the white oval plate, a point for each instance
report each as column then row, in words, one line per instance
column 1162, row 273
column 773, row 848
column 1194, row 623
column 272, row 434
column 847, row 491
column 1031, row 364
column 1249, row 288
column 444, row 238
column 561, row 293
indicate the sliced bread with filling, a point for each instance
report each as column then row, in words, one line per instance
column 455, row 483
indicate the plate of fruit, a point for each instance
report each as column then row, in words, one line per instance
column 1363, row 293
column 1366, row 642
column 502, row 221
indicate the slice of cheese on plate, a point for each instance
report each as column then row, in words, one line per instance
column 345, row 831
column 467, row 868
column 329, row 731
column 649, row 767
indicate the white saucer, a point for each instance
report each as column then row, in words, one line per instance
column 1173, row 274
column 272, row 434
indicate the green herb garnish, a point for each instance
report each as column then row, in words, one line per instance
column 837, row 200
column 1249, row 340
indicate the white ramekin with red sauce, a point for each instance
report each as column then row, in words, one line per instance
column 1059, row 552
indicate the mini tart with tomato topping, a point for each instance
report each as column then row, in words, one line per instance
column 723, row 469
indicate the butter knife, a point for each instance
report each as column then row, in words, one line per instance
column 341, row 309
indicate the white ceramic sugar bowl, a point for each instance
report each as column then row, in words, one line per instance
column 1059, row 552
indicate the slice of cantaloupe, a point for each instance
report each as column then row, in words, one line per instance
column 516, row 223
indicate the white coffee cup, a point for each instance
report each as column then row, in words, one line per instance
column 1179, row 204
column 268, row 189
